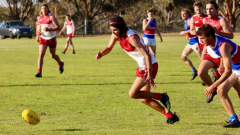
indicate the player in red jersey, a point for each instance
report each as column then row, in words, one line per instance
column 147, row 69
column 210, row 59
column 70, row 25
column 47, row 32
column 230, row 64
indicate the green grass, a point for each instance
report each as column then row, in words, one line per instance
column 92, row 97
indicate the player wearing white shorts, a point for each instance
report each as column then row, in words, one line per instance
column 149, row 28
column 193, row 42
column 229, row 68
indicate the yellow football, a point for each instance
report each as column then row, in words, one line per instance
column 30, row 117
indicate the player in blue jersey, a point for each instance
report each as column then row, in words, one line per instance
column 150, row 27
column 229, row 68
column 193, row 42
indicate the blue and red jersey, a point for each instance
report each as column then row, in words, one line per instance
column 150, row 31
column 235, row 52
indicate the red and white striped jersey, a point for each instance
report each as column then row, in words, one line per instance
column 133, row 52
column 46, row 22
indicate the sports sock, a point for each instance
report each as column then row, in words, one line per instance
column 158, row 96
column 217, row 74
column 65, row 49
column 193, row 69
column 39, row 70
column 239, row 95
column 168, row 115
column 60, row 64
column 73, row 50
column 234, row 117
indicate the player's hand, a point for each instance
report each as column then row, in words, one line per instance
column 37, row 38
column 150, row 79
column 150, row 19
column 73, row 34
column 59, row 33
column 98, row 56
column 161, row 40
column 209, row 91
column 46, row 29
column 182, row 33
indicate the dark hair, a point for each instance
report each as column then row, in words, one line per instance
column 214, row 4
column 206, row 30
column 198, row 4
column 45, row 5
column 68, row 15
column 119, row 23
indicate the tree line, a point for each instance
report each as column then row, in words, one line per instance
column 167, row 12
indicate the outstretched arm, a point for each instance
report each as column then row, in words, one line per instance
column 107, row 49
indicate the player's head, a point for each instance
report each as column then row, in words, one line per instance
column 44, row 9
column 198, row 8
column 212, row 9
column 185, row 13
column 150, row 12
column 118, row 26
column 206, row 33
column 68, row 17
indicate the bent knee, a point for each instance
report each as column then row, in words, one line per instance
column 132, row 95
column 221, row 93
column 145, row 101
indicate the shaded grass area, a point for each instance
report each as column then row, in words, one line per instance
column 92, row 97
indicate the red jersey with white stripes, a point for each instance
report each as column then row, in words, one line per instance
column 69, row 26
column 198, row 21
column 46, row 22
column 214, row 22
column 132, row 51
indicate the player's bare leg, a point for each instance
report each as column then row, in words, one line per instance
column 56, row 57
column 72, row 46
column 66, row 46
column 42, row 51
column 152, row 50
column 184, row 57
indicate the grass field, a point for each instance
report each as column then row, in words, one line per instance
column 92, row 97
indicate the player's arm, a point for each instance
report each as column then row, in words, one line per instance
column 135, row 41
column 63, row 29
column 192, row 27
column 227, row 30
column 158, row 32
column 146, row 24
column 107, row 49
column 73, row 28
column 55, row 23
column 225, row 50
column 37, row 29
column 185, row 32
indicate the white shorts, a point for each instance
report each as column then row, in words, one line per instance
column 148, row 41
column 195, row 47
column 237, row 73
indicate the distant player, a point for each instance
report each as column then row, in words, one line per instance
column 210, row 58
column 47, row 32
column 147, row 69
column 230, row 69
column 193, row 42
column 150, row 27
column 70, row 25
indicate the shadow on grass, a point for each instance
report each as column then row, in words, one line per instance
column 22, row 85
column 70, row 130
